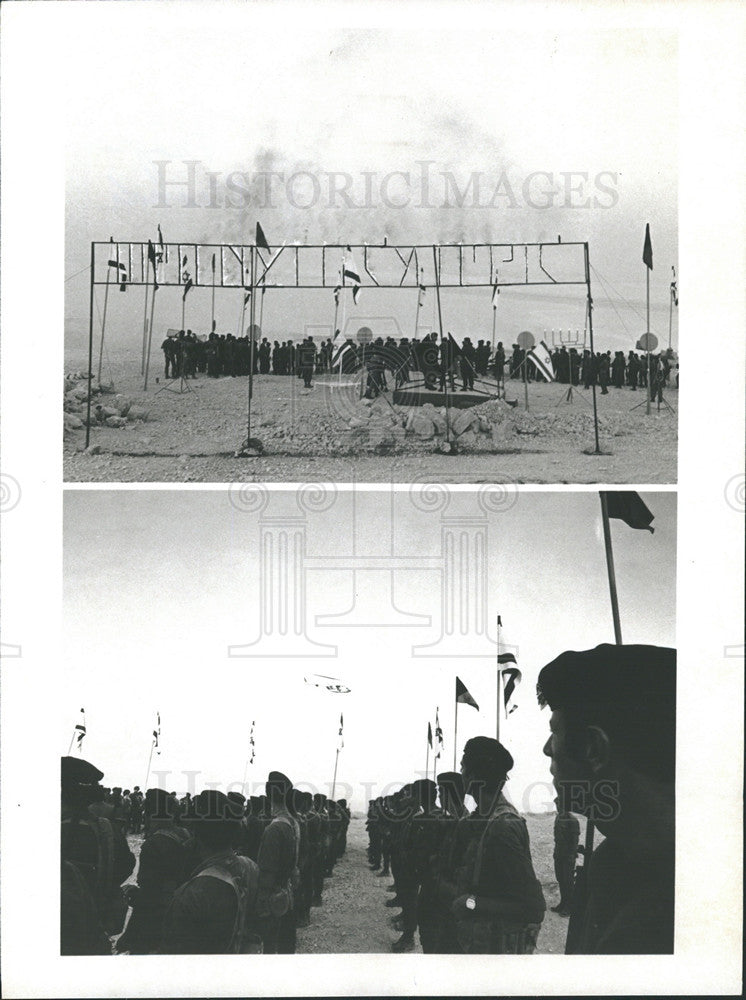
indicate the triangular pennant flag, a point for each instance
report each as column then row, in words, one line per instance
column 463, row 696
column 647, row 250
column 511, row 677
column 627, row 506
column 261, row 239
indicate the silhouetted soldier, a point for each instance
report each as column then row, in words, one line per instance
column 278, row 869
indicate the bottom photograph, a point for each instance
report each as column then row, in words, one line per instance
column 387, row 720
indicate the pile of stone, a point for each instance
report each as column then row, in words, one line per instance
column 107, row 408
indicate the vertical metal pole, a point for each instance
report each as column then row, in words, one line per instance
column 455, row 734
column 103, row 319
column 150, row 336
column 251, row 345
column 525, row 376
column 427, row 760
column 150, row 761
column 334, row 779
column 610, row 569
column 145, row 319
column 497, row 717
column 90, row 352
column 448, row 350
column 590, row 334
column 212, row 315
column 647, row 338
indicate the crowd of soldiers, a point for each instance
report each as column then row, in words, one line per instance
column 441, row 362
column 465, row 880
column 216, row 873
column 219, row 874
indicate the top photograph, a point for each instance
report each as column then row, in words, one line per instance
column 353, row 255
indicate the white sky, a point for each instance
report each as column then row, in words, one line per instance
column 158, row 584
column 230, row 86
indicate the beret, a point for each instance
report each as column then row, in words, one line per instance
column 610, row 675
column 485, row 750
column 75, row 771
column 452, row 779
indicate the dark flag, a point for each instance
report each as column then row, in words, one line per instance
column 454, row 346
column 511, row 677
column 261, row 239
column 463, row 696
column 151, row 260
column 674, row 288
column 341, row 732
column 647, row 250
column 187, row 287
column 161, row 248
column 628, row 507
column 506, row 658
column 121, row 274
column 429, row 735
column 80, row 729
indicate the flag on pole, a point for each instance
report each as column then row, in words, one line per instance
column 341, row 732
column 151, row 260
column 628, row 506
column 542, row 360
column 511, row 678
column 429, row 735
column 251, row 744
column 337, row 290
column 333, row 684
column 438, row 736
column 187, row 288
column 421, row 299
column 162, row 253
column 157, row 734
column 261, row 239
column 674, row 288
column 454, row 346
column 121, row 274
column 80, row 729
column 349, row 270
column 213, row 263
column 495, row 294
column 463, row 696
column 647, row 250
column 506, row 658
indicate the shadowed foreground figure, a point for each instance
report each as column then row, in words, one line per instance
column 613, row 751
column 501, row 905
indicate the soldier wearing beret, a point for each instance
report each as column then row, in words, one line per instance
column 278, row 868
column 438, row 897
column 613, row 753
column 167, row 856
column 501, row 905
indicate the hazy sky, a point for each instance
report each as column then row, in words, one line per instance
column 527, row 104
column 158, row 584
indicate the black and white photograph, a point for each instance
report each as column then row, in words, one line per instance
column 395, row 244
column 372, row 586
column 406, row 751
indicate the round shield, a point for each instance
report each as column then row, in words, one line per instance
column 525, row 340
column 364, row 335
column 648, row 342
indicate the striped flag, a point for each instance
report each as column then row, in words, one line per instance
column 438, row 736
column 121, row 275
column 341, row 733
column 542, row 359
column 162, row 251
column 251, row 744
column 674, row 288
column 157, row 734
column 350, row 271
column 511, row 678
column 80, row 729
column 495, row 293
column 462, row 695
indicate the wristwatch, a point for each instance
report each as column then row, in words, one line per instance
column 471, row 903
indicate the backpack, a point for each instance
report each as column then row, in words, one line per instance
column 243, row 876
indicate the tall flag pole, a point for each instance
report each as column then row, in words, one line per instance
column 626, row 506
column 429, row 748
column 462, row 698
column 340, row 746
column 647, row 259
column 674, row 301
column 151, row 263
column 111, row 263
column 438, row 743
column 212, row 316
column 154, row 746
column 440, row 328
column 498, row 712
column 250, row 756
column 79, row 733
column 495, row 299
column 420, row 302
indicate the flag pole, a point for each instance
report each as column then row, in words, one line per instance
column 590, row 334
column 427, row 759
column 455, row 734
column 334, row 779
column 497, row 711
column 419, row 297
column 103, row 318
column 251, row 344
column 72, row 740
column 145, row 317
column 150, row 761
column 212, row 315
column 647, row 332
column 670, row 309
column 90, row 352
column 448, row 354
column 610, row 568
column 150, row 332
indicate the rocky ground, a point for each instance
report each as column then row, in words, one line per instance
column 330, row 434
column 353, row 917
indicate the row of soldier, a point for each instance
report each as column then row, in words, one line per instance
column 216, row 873
column 465, row 880
column 186, row 355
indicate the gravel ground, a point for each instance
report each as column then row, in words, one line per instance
column 192, row 437
column 353, row 917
